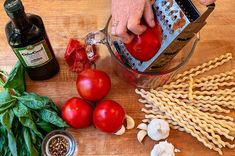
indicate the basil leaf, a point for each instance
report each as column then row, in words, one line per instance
column 47, row 127
column 2, row 142
column 6, row 101
column 21, row 110
column 12, row 143
column 30, row 124
column 21, row 144
column 23, row 150
column 54, row 107
column 5, row 96
column 51, row 117
column 38, row 145
column 6, row 151
column 2, row 139
column 34, row 101
column 32, row 150
column 33, row 136
column 16, row 78
column 25, row 118
column 7, row 119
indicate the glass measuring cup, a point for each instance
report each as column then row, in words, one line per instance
column 136, row 78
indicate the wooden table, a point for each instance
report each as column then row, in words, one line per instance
column 74, row 18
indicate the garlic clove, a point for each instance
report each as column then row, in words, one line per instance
column 141, row 134
column 146, row 120
column 130, row 122
column 121, row 131
column 142, row 126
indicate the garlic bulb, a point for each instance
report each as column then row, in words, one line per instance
column 158, row 129
column 163, row 149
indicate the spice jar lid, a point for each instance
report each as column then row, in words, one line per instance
column 58, row 142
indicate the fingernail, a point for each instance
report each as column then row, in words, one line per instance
column 203, row 1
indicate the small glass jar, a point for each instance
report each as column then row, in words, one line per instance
column 71, row 146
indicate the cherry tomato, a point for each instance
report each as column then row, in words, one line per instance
column 108, row 116
column 77, row 113
column 143, row 47
column 93, row 84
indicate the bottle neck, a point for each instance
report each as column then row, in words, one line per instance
column 20, row 20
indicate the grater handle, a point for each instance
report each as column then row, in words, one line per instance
column 206, row 14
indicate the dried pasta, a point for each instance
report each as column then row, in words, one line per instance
column 191, row 104
column 206, row 66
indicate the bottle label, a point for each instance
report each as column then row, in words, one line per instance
column 34, row 55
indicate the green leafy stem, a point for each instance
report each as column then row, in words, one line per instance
column 25, row 118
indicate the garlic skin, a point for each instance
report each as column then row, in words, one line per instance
column 158, row 129
column 163, row 149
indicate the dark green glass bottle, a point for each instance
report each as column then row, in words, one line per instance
column 27, row 36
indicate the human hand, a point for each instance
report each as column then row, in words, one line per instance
column 127, row 15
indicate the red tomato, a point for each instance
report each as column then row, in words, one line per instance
column 76, row 56
column 108, row 116
column 93, row 84
column 143, row 47
column 77, row 113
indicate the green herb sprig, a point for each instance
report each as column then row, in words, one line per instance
column 25, row 118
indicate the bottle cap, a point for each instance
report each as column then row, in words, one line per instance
column 12, row 6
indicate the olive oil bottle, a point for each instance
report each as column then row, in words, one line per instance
column 27, row 36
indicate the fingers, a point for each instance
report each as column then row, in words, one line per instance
column 119, row 29
column 206, row 2
column 134, row 25
column 136, row 13
column 127, row 15
column 119, row 20
column 148, row 14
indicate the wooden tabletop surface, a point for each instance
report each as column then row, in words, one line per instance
column 65, row 19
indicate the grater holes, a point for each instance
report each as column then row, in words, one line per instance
column 164, row 37
column 174, row 17
column 140, row 63
column 171, row 13
column 163, row 3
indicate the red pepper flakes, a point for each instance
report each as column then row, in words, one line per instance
column 76, row 56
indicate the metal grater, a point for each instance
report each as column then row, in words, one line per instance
column 180, row 21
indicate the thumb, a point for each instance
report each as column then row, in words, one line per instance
column 206, row 2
